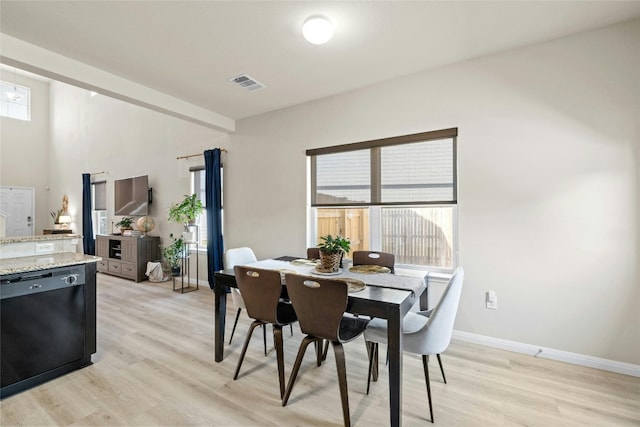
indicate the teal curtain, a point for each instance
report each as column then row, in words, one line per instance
column 213, row 200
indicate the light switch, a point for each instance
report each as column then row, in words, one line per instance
column 492, row 300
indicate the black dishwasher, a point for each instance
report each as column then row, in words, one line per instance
column 43, row 321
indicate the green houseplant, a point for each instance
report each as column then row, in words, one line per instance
column 186, row 211
column 172, row 253
column 332, row 249
column 125, row 223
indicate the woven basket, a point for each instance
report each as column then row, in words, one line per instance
column 329, row 262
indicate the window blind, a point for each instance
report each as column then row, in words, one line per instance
column 409, row 169
column 100, row 196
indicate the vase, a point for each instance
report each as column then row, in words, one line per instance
column 329, row 262
column 175, row 271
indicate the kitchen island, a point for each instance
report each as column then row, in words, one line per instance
column 48, row 310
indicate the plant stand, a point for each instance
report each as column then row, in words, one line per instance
column 186, row 268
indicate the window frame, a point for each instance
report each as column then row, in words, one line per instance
column 375, row 206
column 26, row 91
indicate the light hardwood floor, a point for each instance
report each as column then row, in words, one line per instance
column 154, row 366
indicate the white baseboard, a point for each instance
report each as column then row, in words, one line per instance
column 550, row 353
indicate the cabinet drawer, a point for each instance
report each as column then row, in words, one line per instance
column 103, row 265
column 115, row 266
column 128, row 269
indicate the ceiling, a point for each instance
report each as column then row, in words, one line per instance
column 190, row 49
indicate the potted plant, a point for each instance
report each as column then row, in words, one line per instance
column 56, row 217
column 173, row 254
column 125, row 223
column 332, row 249
column 186, row 213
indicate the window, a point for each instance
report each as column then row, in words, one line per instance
column 15, row 101
column 198, row 187
column 99, row 203
column 396, row 195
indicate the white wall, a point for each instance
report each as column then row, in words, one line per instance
column 24, row 148
column 548, row 183
column 96, row 134
column 549, row 209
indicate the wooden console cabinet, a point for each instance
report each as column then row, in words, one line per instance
column 125, row 256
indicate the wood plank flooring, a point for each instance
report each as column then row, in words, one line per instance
column 155, row 367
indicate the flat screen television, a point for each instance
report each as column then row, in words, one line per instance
column 132, row 196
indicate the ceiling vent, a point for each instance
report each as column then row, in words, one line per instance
column 247, row 82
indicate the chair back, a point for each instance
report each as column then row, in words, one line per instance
column 260, row 290
column 383, row 259
column 319, row 304
column 238, row 256
column 434, row 337
column 313, row 253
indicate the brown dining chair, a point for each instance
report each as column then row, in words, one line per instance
column 261, row 291
column 313, row 253
column 320, row 305
column 383, row 259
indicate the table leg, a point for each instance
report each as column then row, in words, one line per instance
column 394, row 341
column 220, row 292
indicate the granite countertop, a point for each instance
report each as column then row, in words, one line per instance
column 39, row 238
column 44, row 261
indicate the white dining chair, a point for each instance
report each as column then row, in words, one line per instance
column 424, row 333
column 240, row 256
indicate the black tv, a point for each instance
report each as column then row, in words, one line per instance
column 132, row 196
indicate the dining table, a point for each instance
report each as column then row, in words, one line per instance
column 387, row 296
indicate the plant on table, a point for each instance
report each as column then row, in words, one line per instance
column 125, row 223
column 332, row 249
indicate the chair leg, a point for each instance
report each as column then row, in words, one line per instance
column 277, row 341
column 235, row 324
column 326, row 348
column 264, row 337
column 425, row 365
column 441, row 368
column 342, row 381
column 375, row 372
column 296, row 367
column 254, row 325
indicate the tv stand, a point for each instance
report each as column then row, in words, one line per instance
column 127, row 256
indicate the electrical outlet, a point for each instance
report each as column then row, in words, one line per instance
column 44, row 248
column 492, row 300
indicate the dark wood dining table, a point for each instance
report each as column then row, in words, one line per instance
column 378, row 299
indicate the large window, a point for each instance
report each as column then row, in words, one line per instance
column 394, row 195
column 15, row 101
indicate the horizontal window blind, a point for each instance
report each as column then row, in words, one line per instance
column 100, row 196
column 410, row 169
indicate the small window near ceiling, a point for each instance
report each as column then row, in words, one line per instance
column 15, row 101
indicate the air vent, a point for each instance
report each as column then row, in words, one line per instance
column 247, row 82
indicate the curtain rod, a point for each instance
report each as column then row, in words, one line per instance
column 99, row 173
column 196, row 155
